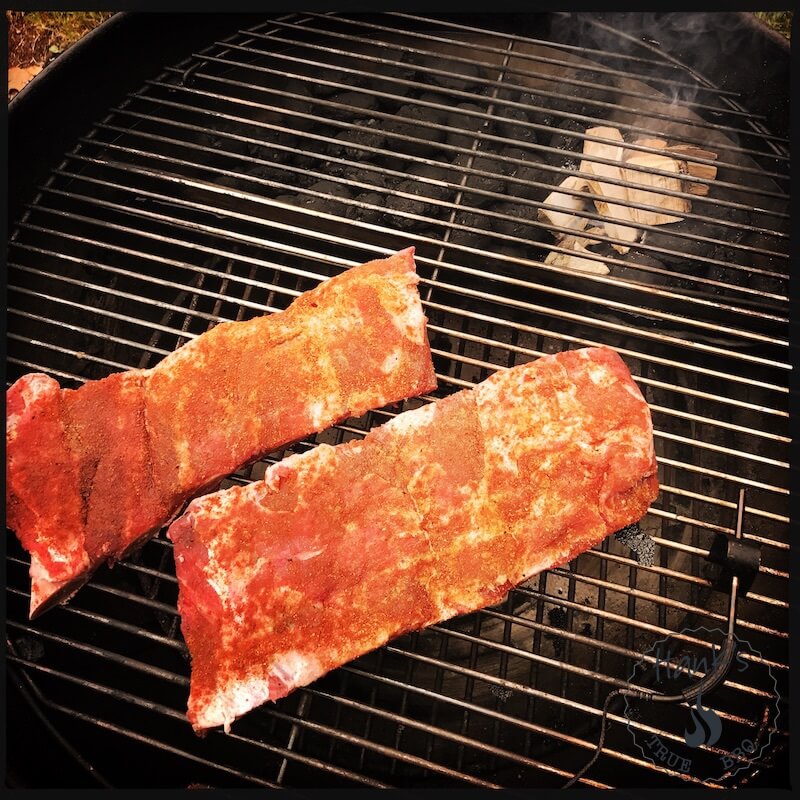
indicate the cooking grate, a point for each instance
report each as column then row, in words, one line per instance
column 243, row 175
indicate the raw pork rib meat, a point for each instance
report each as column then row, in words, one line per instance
column 439, row 512
column 93, row 472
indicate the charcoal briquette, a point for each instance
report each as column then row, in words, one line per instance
column 331, row 189
column 373, row 177
column 436, row 98
column 472, row 219
column 361, row 214
column 463, row 117
column 487, row 183
column 407, row 124
column 631, row 271
column 349, row 79
column 350, row 143
column 564, row 140
column 511, row 123
column 527, row 167
column 479, row 238
column 362, row 105
column 416, row 205
column 386, row 76
column 640, row 543
column 466, row 78
column 582, row 100
column 519, row 225
column 536, row 108
column 434, row 173
column 668, row 238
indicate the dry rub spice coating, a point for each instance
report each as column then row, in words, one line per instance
column 93, row 472
column 439, row 512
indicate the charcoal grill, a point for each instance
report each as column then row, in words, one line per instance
column 255, row 164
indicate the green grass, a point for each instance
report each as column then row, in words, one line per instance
column 780, row 21
column 65, row 27
column 37, row 37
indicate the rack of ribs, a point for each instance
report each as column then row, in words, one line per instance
column 439, row 512
column 93, row 472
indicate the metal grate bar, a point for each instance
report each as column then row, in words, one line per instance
column 640, row 625
column 719, row 474
column 384, row 750
column 566, row 666
column 488, row 213
column 560, row 79
column 544, row 93
column 480, row 47
column 100, row 652
column 102, row 619
column 517, row 687
column 665, row 601
column 592, row 51
column 457, row 334
column 333, row 731
column 88, row 331
column 658, row 434
column 126, row 732
column 217, row 160
column 728, row 99
column 512, row 348
column 643, row 379
column 445, row 734
column 654, row 510
column 524, row 724
column 728, row 504
column 317, row 137
column 518, row 282
column 403, row 50
column 445, row 204
column 229, row 82
column 588, row 640
column 698, row 551
column 484, row 212
column 604, row 555
column 423, row 238
column 166, row 711
column 152, row 279
column 243, row 302
column 452, row 356
column 689, row 344
column 597, row 643
column 721, row 449
column 464, row 290
column 523, row 589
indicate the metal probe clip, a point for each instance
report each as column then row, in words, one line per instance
column 738, row 563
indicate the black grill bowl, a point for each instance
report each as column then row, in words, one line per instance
column 236, row 160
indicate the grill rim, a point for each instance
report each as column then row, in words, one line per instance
column 112, row 18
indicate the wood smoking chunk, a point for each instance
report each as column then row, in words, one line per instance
column 570, row 217
column 705, row 171
column 608, row 192
column 654, row 195
column 579, row 260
